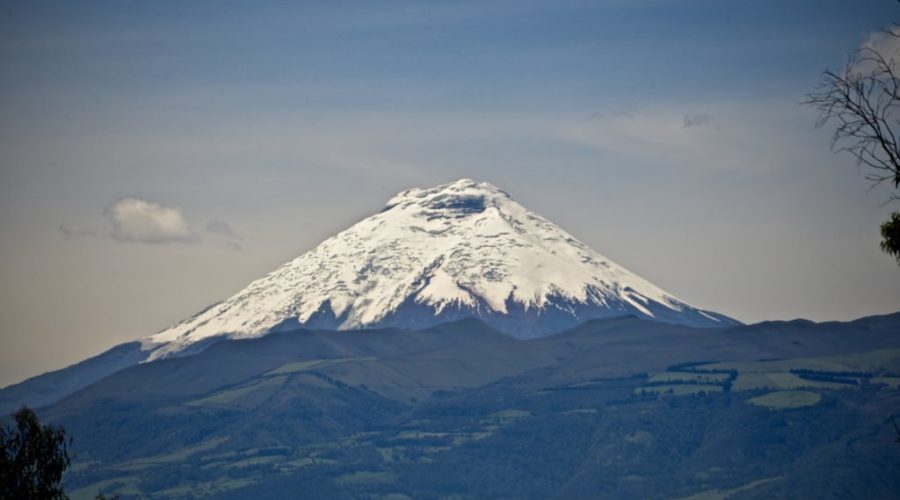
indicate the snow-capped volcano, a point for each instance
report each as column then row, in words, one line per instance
column 433, row 255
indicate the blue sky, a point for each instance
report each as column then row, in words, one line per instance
column 665, row 134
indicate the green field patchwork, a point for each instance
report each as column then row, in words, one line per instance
column 581, row 411
column 209, row 488
column 178, row 456
column 879, row 360
column 420, row 435
column 306, row 462
column 781, row 380
column 368, row 477
column 889, row 382
column 783, row 400
column 247, row 462
column 678, row 389
column 229, row 396
column 125, row 485
column 726, row 493
column 641, row 437
column 506, row 416
column 695, row 377
column 303, row 366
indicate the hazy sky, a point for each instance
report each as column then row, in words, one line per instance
column 157, row 156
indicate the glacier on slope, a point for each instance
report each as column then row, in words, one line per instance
column 464, row 249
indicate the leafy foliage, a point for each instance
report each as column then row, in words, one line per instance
column 33, row 458
column 890, row 234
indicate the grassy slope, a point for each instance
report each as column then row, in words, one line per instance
column 464, row 410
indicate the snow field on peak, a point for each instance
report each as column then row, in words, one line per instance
column 464, row 244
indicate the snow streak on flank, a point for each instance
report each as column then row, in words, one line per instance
column 461, row 245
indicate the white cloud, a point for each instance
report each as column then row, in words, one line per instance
column 884, row 42
column 143, row 221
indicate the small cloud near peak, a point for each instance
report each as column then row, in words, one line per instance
column 138, row 220
column 144, row 221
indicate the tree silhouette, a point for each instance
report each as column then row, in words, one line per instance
column 863, row 100
column 33, row 458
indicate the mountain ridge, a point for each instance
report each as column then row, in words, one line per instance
column 401, row 411
column 431, row 256
column 463, row 249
